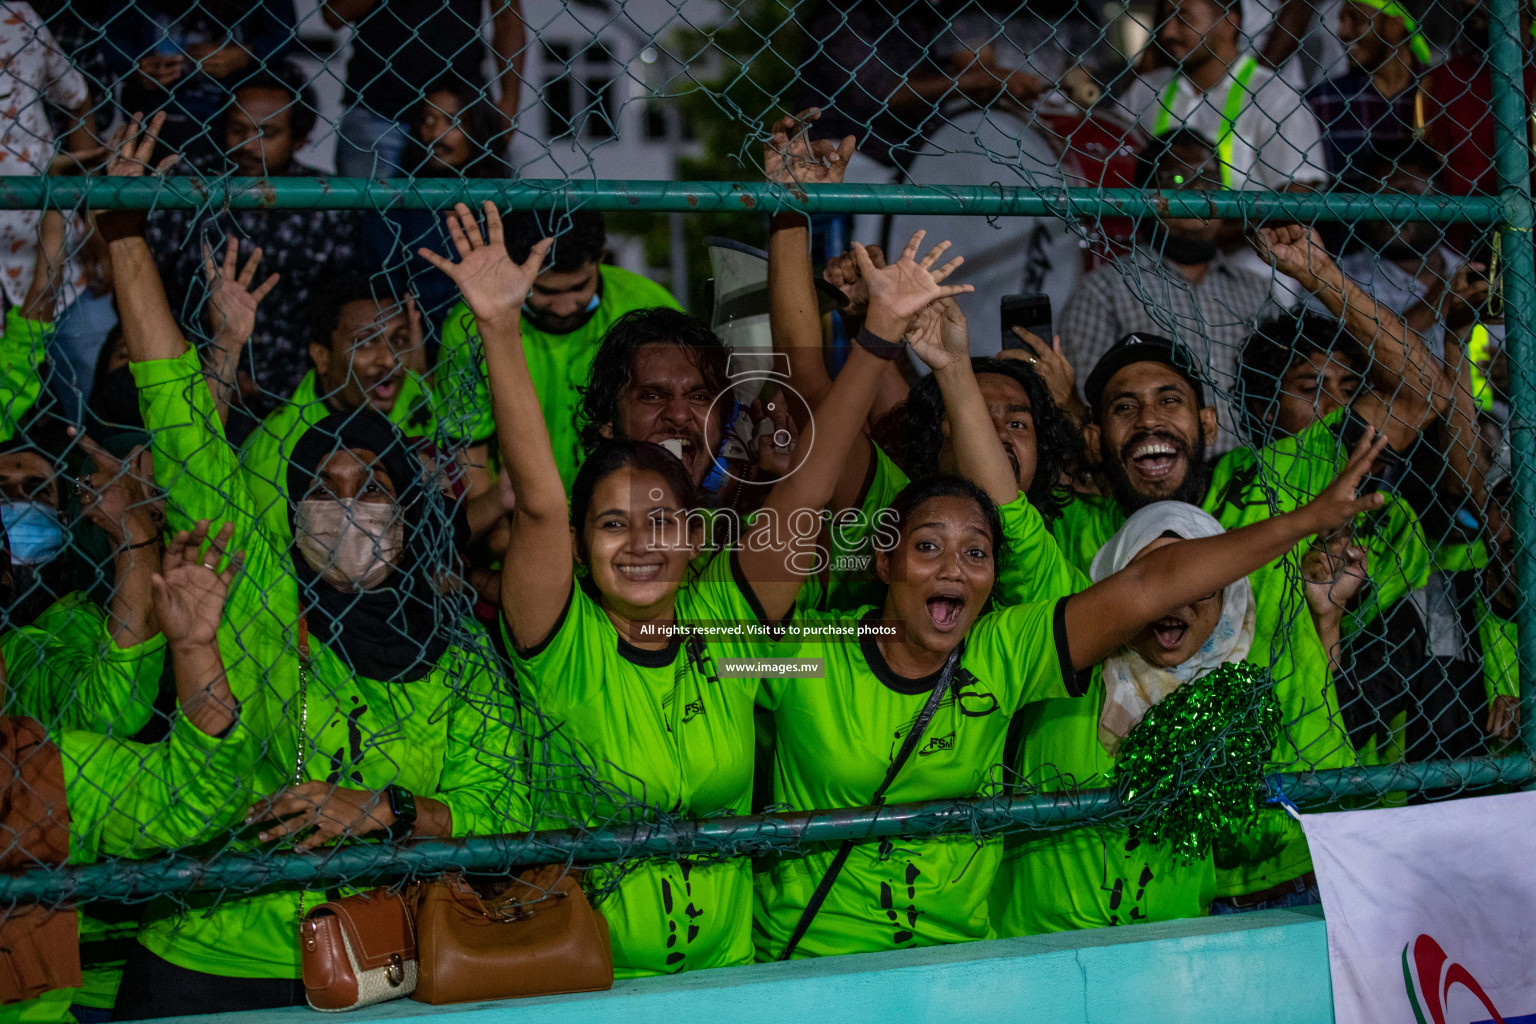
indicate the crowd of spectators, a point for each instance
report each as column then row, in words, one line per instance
column 310, row 515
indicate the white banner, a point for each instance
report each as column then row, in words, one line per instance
column 1431, row 910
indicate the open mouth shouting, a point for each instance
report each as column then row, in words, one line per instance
column 383, row 391
column 686, row 447
column 945, row 608
column 1169, row 632
column 1153, row 457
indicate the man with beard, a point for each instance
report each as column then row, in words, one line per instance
column 575, row 300
column 1175, row 282
column 1375, row 104
column 1150, row 429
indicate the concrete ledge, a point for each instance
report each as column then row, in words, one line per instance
column 1264, row 968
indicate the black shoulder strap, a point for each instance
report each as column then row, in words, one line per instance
column 813, row 906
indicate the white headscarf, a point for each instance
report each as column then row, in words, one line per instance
column 1131, row 683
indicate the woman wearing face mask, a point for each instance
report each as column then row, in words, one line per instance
column 131, row 799
column 1090, row 877
column 966, row 673
column 95, row 658
column 360, row 670
column 621, row 654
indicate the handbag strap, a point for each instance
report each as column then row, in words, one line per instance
column 824, row 887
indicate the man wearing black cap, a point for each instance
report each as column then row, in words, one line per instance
column 1150, row 422
column 1149, row 427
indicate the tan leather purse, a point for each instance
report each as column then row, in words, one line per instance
column 359, row 950
column 537, row 935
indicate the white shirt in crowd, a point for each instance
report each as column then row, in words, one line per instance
column 32, row 69
column 1276, row 140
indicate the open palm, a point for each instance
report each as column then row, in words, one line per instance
column 493, row 284
column 898, row 291
column 232, row 302
column 792, row 157
column 189, row 590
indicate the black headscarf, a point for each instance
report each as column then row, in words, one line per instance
column 397, row 632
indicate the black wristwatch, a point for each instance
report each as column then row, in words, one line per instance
column 403, row 806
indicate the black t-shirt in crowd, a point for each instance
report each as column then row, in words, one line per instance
column 402, row 46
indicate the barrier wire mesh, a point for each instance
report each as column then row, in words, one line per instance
column 1324, row 207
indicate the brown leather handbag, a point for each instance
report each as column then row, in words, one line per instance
column 536, row 935
column 359, row 950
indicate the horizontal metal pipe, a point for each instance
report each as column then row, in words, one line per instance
column 726, row 196
column 122, row 879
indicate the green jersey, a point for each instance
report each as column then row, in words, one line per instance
column 1086, row 877
column 836, row 740
column 448, row 736
column 560, row 364
column 21, row 354
column 266, row 452
column 66, row 671
column 1035, row 568
column 661, row 730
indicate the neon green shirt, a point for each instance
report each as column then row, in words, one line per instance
column 661, row 730
column 449, row 736
column 65, row 671
column 21, row 354
column 836, row 739
column 266, row 452
column 560, row 364
column 1086, row 877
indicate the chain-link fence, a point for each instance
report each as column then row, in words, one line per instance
column 1263, row 234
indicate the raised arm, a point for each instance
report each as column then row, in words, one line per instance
column 509, row 45
column 536, row 574
column 896, row 294
column 232, row 304
column 1408, row 388
column 939, row 336
column 149, row 326
column 1109, row 614
column 194, row 464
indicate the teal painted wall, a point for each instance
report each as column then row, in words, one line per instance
column 1264, row 968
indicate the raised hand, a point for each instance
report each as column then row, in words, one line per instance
column 1333, row 573
column 132, row 146
column 189, row 588
column 791, row 157
column 115, row 498
column 1049, row 361
column 1338, row 505
column 232, row 303
column 1464, row 295
column 493, row 285
column 1296, row 251
column 898, row 291
column 939, row 335
column 774, row 446
column 842, row 273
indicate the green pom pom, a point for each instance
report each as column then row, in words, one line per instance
column 1196, row 761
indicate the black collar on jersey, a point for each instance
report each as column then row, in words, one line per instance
column 887, row 675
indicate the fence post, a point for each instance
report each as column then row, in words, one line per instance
column 1513, row 164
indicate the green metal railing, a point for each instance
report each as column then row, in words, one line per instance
column 1510, row 211
column 715, row 837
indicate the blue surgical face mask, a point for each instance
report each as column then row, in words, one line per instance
column 33, row 530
